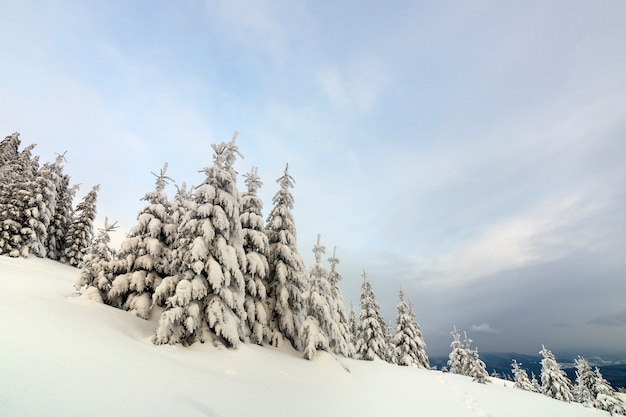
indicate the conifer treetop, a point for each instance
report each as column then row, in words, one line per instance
column 161, row 178
column 252, row 180
column 333, row 260
column 334, row 276
column 108, row 227
column 318, row 250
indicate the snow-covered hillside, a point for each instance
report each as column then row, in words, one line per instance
column 67, row 356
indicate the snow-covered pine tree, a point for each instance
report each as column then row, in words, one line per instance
column 62, row 215
column 477, row 368
column 287, row 278
column 606, row 398
column 353, row 325
column 9, row 150
column 318, row 312
column 96, row 272
column 534, row 383
column 62, row 212
column 584, row 388
column 408, row 341
column 371, row 342
column 320, row 330
column 145, row 255
column 554, row 382
column 10, row 209
column 256, row 247
column 42, row 206
column 455, row 358
column 80, row 232
column 342, row 319
column 208, row 302
column 467, row 358
column 18, row 219
column 390, row 349
column 179, row 206
column 520, row 377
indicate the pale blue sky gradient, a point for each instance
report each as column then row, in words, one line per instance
column 471, row 151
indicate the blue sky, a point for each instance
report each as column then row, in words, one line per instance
column 472, row 152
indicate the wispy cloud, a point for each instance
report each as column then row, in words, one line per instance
column 614, row 318
column 484, row 328
column 359, row 86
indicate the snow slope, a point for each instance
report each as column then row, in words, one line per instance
column 66, row 356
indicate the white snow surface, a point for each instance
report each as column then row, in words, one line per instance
column 68, row 356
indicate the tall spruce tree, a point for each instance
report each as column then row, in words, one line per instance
column 371, row 342
column 287, row 279
column 179, row 206
column 409, row 344
column 342, row 319
column 145, row 255
column 554, row 382
column 80, row 232
column 455, row 358
column 62, row 213
column 9, row 151
column 477, row 369
column 256, row 247
column 20, row 225
column 584, row 387
column 96, row 272
column 521, row 377
column 208, row 302
column 606, row 397
column 353, row 325
column 320, row 330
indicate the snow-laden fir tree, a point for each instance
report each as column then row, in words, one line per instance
column 371, row 342
column 179, row 206
column 320, row 330
column 341, row 317
column 521, row 377
column 466, row 356
column 353, row 324
column 10, row 207
column 554, row 382
column 96, row 271
column 456, row 356
column 62, row 214
column 9, row 151
column 19, row 220
column 390, row 350
column 287, row 279
column 80, row 232
column 256, row 247
column 466, row 361
column 208, row 302
column 145, row 254
column 584, row 388
column 408, row 341
column 606, row 398
column 477, row 369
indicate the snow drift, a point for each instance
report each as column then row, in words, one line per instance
column 68, row 356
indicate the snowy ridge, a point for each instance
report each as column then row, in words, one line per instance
column 68, row 356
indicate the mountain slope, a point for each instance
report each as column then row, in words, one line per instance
column 66, row 356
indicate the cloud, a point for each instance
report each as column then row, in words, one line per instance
column 266, row 26
column 483, row 328
column 358, row 85
column 615, row 318
column 530, row 237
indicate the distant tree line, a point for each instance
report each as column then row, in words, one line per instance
column 590, row 388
